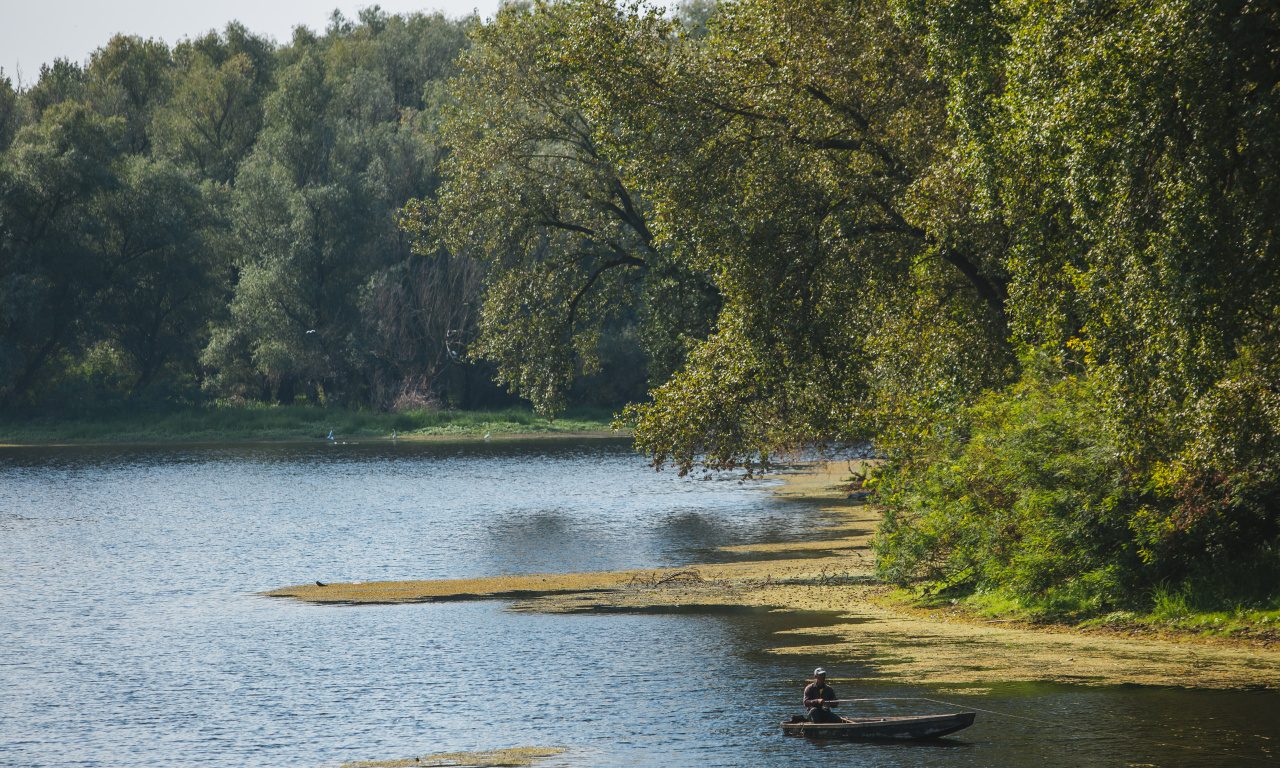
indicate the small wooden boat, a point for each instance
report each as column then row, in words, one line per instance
column 908, row 727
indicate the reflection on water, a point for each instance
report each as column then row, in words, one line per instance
column 129, row 633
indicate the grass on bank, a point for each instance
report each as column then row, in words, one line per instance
column 224, row 421
column 1168, row 610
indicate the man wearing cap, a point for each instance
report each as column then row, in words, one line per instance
column 818, row 696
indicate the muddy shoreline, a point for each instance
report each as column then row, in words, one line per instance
column 835, row 573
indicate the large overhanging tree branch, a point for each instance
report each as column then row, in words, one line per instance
column 839, row 81
column 796, row 164
column 801, row 154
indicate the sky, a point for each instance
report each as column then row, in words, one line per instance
column 35, row 32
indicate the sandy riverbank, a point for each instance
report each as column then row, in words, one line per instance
column 834, row 573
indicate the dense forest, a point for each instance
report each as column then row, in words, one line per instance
column 219, row 220
column 1029, row 249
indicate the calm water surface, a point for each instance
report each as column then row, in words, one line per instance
column 130, row 633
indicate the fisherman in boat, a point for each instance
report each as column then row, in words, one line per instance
column 819, row 698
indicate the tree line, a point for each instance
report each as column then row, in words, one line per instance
column 219, row 219
column 1028, row 249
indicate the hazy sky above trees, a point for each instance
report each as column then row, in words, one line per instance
column 37, row 33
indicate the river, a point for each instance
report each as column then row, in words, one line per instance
column 131, row 632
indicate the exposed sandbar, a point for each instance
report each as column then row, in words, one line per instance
column 891, row 642
column 488, row 588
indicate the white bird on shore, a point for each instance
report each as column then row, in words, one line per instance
column 486, row 430
column 331, row 434
column 393, row 434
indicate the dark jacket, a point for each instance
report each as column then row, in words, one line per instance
column 815, row 694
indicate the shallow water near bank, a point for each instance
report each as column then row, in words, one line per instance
column 130, row 632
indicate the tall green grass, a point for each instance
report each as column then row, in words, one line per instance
column 226, row 421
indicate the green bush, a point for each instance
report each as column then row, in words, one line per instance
column 1027, row 495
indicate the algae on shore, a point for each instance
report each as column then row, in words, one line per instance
column 491, row 588
column 890, row 642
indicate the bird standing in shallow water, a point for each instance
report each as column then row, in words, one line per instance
column 331, row 434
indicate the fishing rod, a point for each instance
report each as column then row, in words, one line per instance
column 939, row 701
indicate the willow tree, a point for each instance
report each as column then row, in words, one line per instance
column 535, row 189
column 345, row 142
column 102, row 252
column 214, row 115
column 51, row 177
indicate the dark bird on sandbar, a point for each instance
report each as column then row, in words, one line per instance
column 321, row 584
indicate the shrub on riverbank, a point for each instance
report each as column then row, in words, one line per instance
column 1029, row 503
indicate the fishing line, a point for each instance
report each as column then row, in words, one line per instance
column 1112, row 732
column 991, row 711
column 1125, row 735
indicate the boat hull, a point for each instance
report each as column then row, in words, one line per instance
column 876, row 728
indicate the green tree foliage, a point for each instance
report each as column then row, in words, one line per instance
column 129, row 78
column 1133, row 160
column 61, row 81
column 189, row 215
column 344, row 144
column 101, row 248
column 1031, row 494
column 215, row 112
column 9, row 112
column 50, row 179
column 160, row 272
column 1129, row 148
column 807, row 159
column 302, row 235
column 1025, row 492
column 792, row 162
column 536, row 193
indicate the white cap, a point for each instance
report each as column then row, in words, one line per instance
column 819, row 671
